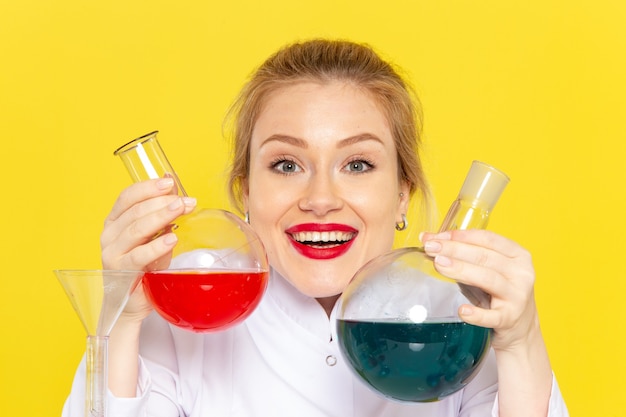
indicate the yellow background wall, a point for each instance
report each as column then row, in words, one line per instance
column 536, row 88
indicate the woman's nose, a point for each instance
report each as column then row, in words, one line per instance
column 321, row 196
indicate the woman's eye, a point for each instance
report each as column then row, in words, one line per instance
column 359, row 166
column 286, row 167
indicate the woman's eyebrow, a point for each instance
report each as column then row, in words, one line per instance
column 358, row 138
column 286, row 139
column 291, row 140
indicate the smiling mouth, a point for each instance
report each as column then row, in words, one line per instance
column 323, row 239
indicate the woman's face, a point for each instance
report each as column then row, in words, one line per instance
column 323, row 192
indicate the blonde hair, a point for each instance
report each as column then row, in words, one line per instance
column 324, row 61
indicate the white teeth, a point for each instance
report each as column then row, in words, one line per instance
column 334, row 236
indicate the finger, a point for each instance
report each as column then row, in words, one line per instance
column 513, row 262
column 485, row 278
column 465, row 256
column 139, row 192
column 143, row 256
column 462, row 260
column 477, row 316
column 114, row 228
column 480, row 238
column 143, row 229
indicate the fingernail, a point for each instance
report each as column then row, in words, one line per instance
column 176, row 204
column 165, row 183
column 443, row 260
column 170, row 239
column 466, row 311
column 189, row 201
column 432, row 247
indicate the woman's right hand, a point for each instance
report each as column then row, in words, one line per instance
column 142, row 211
column 128, row 241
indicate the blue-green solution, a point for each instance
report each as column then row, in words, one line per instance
column 416, row 362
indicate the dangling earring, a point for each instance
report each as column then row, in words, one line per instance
column 403, row 224
column 247, row 218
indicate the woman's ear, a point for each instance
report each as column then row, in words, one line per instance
column 403, row 202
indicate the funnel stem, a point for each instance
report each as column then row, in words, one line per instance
column 96, row 389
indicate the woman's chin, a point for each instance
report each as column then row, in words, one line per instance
column 319, row 280
column 320, row 290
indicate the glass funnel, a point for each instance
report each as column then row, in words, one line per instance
column 98, row 297
column 398, row 325
column 219, row 270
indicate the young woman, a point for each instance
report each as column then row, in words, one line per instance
column 325, row 160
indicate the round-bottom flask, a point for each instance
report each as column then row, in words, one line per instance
column 219, row 269
column 398, row 325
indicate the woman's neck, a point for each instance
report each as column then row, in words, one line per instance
column 328, row 303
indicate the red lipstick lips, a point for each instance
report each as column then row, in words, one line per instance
column 321, row 240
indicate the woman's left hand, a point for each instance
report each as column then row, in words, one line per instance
column 499, row 267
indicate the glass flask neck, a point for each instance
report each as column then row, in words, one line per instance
column 463, row 215
column 479, row 194
column 144, row 159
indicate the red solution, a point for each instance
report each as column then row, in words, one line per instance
column 204, row 300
